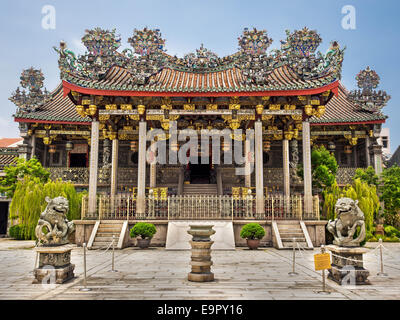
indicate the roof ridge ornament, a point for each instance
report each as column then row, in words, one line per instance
column 33, row 80
column 368, row 99
column 201, row 59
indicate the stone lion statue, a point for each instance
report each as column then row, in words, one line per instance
column 343, row 228
column 54, row 219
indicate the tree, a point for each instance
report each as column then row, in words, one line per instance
column 16, row 172
column 368, row 175
column 29, row 202
column 323, row 167
column 367, row 197
column 390, row 190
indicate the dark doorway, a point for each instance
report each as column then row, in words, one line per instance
column 3, row 217
column 200, row 173
column 77, row 160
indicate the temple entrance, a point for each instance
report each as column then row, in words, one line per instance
column 200, row 173
column 78, row 160
column 3, row 217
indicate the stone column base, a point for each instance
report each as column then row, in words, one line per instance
column 54, row 265
column 347, row 272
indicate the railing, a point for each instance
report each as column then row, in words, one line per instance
column 201, row 207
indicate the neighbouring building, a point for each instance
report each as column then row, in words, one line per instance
column 91, row 130
column 8, row 152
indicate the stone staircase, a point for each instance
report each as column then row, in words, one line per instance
column 103, row 231
column 285, row 231
column 200, row 189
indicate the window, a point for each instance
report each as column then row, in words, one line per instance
column 385, row 141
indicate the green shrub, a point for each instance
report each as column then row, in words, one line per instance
column 252, row 231
column 391, row 231
column 29, row 202
column 16, row 232
column 143, row 229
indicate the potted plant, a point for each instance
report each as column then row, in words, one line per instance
column 253, row 233
column 144, row 231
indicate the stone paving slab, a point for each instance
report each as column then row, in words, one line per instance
column 160, row 274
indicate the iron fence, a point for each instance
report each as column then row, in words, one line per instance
column 200, row 207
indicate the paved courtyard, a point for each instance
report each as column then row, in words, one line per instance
column 160, row 274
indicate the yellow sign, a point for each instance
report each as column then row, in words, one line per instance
column 322, row 261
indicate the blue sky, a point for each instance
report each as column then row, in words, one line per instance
column 186, row 24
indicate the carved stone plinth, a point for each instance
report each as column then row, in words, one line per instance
column 201, row 253
column 343, row 269
column 54, row 262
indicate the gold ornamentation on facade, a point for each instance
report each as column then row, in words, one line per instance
column 266, row 98
column 353, row 141
column 165, row 124
column 234, row 124
column 92, row 110
column 141, row 109
column 86, row 102
column 308, row 109
column 274, row 107
column 314, row 102
column 245, row 117
column 326, row 93
column 302, row 98
column 166, row 106
column 371, row 133
column 320, row 111
column 259, row 109
column 104, row 117
column 158, row 117
column 80, row 109
column 134, row 117
column 266, row 117
column 289, row 107
column 111, row 107
column 234, row 106
column 289, row 135
column 126, row 107
column 211, row 106
column 238, row 137
column 189, row 107
column 297, row 117
column 46, row 140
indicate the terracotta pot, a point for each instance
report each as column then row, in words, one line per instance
column 253, row 244
column 143, row 243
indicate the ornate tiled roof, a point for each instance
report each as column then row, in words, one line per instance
column 340, row 109
column 57, row 108
column 296, row 66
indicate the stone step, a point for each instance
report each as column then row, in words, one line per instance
column 109, row 229
column 291, row 239
column 291, row 235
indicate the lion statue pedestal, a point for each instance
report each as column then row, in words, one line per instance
column 52, row 233
column 347, row 254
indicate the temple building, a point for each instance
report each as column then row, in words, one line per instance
column 93, row 128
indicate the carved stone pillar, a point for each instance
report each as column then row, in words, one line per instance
column 247, row 164
column 153, row 169
column 33, row 142
column 93, row 168
column 367, row 155
column 114, row 166
column 286, row 173
column 220, row 187
column 376, row 151
column 181, row 180
column 259, row 168
column 308, row 204
column 141, row 195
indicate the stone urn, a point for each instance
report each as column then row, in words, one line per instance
column 253, row 244
column 201, row 253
